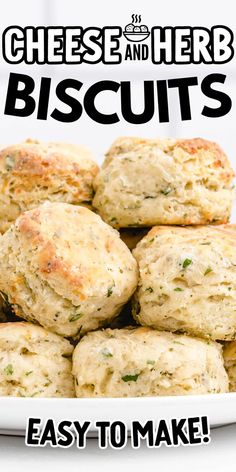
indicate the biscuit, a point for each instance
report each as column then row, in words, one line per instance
column 33, row 172
column 188, row 280
column 34, row 362
column 143, row 362
column 3, row 309
column 124, row 319
column 146, row 182
column 229, row 353
column 64, row 268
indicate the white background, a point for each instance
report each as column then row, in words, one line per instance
column 221, row 454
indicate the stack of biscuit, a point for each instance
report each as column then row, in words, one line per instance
column 67, row 271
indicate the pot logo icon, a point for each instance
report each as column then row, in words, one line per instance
column 134, row 31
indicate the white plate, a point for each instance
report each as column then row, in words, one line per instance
column 220, row 409
column 136, row 36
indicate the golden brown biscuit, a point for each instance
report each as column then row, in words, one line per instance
column 63, row 267
column 145, row 182
column 33, row 172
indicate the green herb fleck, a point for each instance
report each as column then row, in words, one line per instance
column 149, row 289
column 76, row 317
column 186, row 263
column 8, row 369
column 106, row 353
column 109, row 291
column 149, row 361
column 29, row 372
column 229, row 288
column 178, row 289
column 208, row 270
column 130, row 377
column 166, row 191
column 205, row 244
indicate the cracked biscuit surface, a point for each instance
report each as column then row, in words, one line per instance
column 64, row 268
column 140, row 362
column 187, row 280
column 146, row 182
column 34, row 362
column 34, row 172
